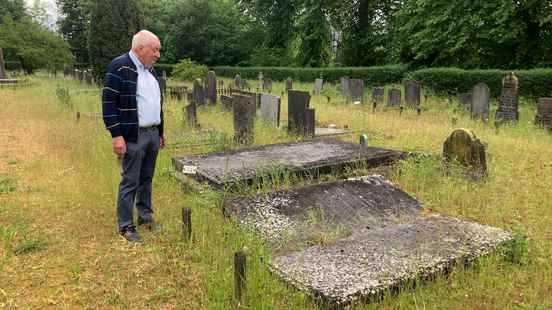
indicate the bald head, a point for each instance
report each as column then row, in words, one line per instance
column 146, row 46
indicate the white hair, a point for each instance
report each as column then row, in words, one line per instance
column 142, row 37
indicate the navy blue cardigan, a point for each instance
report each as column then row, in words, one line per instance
column 120, row 111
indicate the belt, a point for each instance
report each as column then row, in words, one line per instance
column 149, row 128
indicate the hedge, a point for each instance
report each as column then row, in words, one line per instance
column 371, row 75
column 533, row 83
column 168, row 68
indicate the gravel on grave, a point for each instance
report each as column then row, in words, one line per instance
column 245, row 164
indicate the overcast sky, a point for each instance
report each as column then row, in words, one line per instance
column 51, row 9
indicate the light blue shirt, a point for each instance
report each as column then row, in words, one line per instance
column 148, row 95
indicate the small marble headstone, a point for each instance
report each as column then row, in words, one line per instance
column 270, row 109
column 244, row 110
column 318, row 84
column 377, row 95
column 480, row 101
column 394, row 97
column 464, row 148
column 298, row 103
column 507, row 110
column 211, row 87
column 465, row 100
column 345, row 86
column 544, row 113
column 357, row 89
column 199, row 92
column 412, row 93
column 289, row 84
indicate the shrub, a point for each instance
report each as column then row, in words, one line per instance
column 186, row 69
column 168, row 68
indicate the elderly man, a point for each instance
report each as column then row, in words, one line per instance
column 132, row 112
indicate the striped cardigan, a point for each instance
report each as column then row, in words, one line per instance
column 120, row 110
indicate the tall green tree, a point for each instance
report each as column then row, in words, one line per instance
column 14, row 9
column 314, row 49
column 74, row 26
column 112, row 25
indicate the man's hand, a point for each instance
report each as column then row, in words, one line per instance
column 161, row 142
column 119, row 146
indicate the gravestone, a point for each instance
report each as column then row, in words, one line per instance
column 377, row 95
column 244, row 109
column 298, row 103
column 260, row 77
column 412, row 93
column 3, row 74
column 507, row 110
column 464, row 148
column 357, row 89
column 267, row 84
column 211, row 87
column 220, row 84
column 394, row 97
column 480, row 101
column 238, row 82
column 226, row 102
column 345, row 86
column 289, row 84
column 199, row 92
column 270, row 109
column 318, row 84
column 191, row 114
column 465, row 100
column 163, row 82
column 310, row 122
column 544, row 113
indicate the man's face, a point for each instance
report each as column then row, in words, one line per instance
column 149, row 53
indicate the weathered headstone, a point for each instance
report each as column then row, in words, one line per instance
column 267, row 84
column 3, row 74
column 199, row 92
column 464, row 148
column 260, row 77
column 544, row 113
column 318, row 84
column 211, row 87
column 226, row 102
column 238, row 82
column 377, row 95
column 163, row 82
column 310, row 122
column 480, row 101
column 412, row 93
column 289, row 84
column 357, row 89
column 298, row 103
column 507, row 110
column 244, row 109
column 191, row 114
column 270, row 109
column 394, row 97
column 345, row 86
column 465, row 100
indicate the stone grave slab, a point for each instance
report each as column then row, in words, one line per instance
column 480, row 101
column 311, row 156
column 298, row 103
column 464, row 148
column 270, row 109
column 354, row 239
column 328, row 131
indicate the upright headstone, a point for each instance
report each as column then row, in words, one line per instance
column 211, row 87
column 163, row 82
column 310, row 122
column 357, row 89
column 480, row 101
column 298, row 103
column 270, row 109
column 464, row 148
column 507, row 110
column 260, row 76
column 267, row 84
column 318, row 84
column 345, row 86
column 412, row 93
column 394, row 97
column 3, row 74
column 289, row 84
column 244, row 118
column 544, row 113
column 238, row 82
column 377, row 95
column 226, row 102
column 191, row 114
column 199, row 92
column 465, row 100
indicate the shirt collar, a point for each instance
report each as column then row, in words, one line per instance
column 136, row 61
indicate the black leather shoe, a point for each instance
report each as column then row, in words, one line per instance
column 130, row 234
column 149, row 224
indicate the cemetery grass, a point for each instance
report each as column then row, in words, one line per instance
column 58, row 179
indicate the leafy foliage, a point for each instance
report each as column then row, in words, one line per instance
column 186, row 70
column 74, row 26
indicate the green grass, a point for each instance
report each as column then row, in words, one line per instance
column 58, row 185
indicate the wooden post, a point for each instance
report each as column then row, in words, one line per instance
column 240, row 286
column 186, row 224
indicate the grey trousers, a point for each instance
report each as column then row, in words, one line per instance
column 137, row 170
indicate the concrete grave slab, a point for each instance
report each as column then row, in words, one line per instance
column 243, row 165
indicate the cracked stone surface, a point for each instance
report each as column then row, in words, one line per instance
column 317, row 155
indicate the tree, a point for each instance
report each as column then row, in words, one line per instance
column 112, row 25
column 34, row 45
column 74, row 26
column 14, row 9
column 314, row 50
